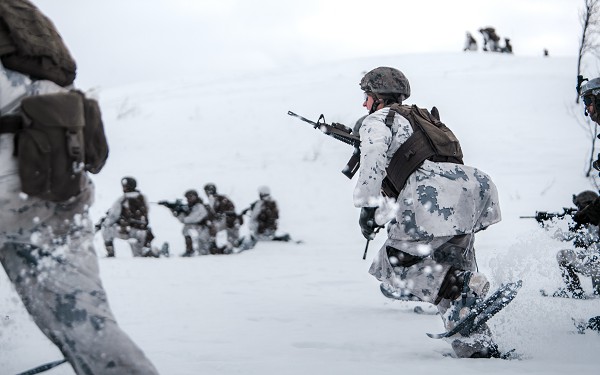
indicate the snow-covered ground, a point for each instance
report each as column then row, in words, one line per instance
column 286, row 308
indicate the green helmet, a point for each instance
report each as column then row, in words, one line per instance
column 192, row 195
column 128, row 183
column 385, row 80
column 210, row 189
column 584, row 198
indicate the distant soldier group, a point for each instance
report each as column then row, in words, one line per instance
column 491, row 41
column 211, row 227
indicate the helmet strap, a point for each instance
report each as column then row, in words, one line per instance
column 376, row 102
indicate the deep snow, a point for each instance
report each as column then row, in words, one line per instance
column 313, row 308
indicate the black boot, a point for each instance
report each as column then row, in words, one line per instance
column 110, row 249
column 189, row 247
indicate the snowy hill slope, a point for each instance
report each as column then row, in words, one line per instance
column 294, row 309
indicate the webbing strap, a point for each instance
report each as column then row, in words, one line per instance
column 10, row 123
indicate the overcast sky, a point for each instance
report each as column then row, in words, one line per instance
column 117, row 41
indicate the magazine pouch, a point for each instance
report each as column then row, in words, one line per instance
column 50, row 146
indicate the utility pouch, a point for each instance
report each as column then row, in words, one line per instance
column 96, row 146
column 50, row 146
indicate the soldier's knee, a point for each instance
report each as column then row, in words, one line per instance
column 564, row 257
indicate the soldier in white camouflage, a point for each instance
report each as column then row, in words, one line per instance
column 46, row 248
column 584, row 258
column 590, row 94
column 226, row 221
column 198, row 229
column 127, row 219
column 429, row 253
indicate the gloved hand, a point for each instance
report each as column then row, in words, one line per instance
column 596, row 163
column 367, row 222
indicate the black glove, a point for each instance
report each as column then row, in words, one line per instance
column 596, row 164
column 367, row 222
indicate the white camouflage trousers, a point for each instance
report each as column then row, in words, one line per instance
column 135, row 237
column 422, row 273
column 201, row 239
column 47, row 252
column 586, row 263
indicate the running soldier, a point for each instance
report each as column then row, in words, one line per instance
column 429, row 252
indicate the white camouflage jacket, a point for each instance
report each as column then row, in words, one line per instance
column 439, row 199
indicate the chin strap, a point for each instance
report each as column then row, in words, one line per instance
column 376, row 102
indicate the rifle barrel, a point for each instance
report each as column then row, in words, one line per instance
column 303, row 119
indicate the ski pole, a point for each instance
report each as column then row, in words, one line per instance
column 43, row 368
column 366, row 248
column 367, row 245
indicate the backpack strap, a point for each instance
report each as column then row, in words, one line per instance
column 389, row 119
column 411, row 154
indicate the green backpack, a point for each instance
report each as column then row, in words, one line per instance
column 30, row 44
column 431, row 140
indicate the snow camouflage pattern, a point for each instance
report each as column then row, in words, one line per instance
column 385, row 80
column 111, row 228
column 47, row 252
column 439, row 199
column 434, row 218
column 199, row 233
column 263, row 218
column 585, row 258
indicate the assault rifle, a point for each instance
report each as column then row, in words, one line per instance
column 543, row 216
column 98, row 225
column 177, row 207
column 343, row 134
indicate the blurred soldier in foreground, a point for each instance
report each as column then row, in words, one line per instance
column 46, row 236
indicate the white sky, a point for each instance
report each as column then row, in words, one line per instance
column 151, row 38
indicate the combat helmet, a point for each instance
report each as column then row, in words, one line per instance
column 128, row 183
column 584, row 198
column 210, row 188
column 591, row 87
column 192, row 196
column 264, row 191
column 385, row 80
